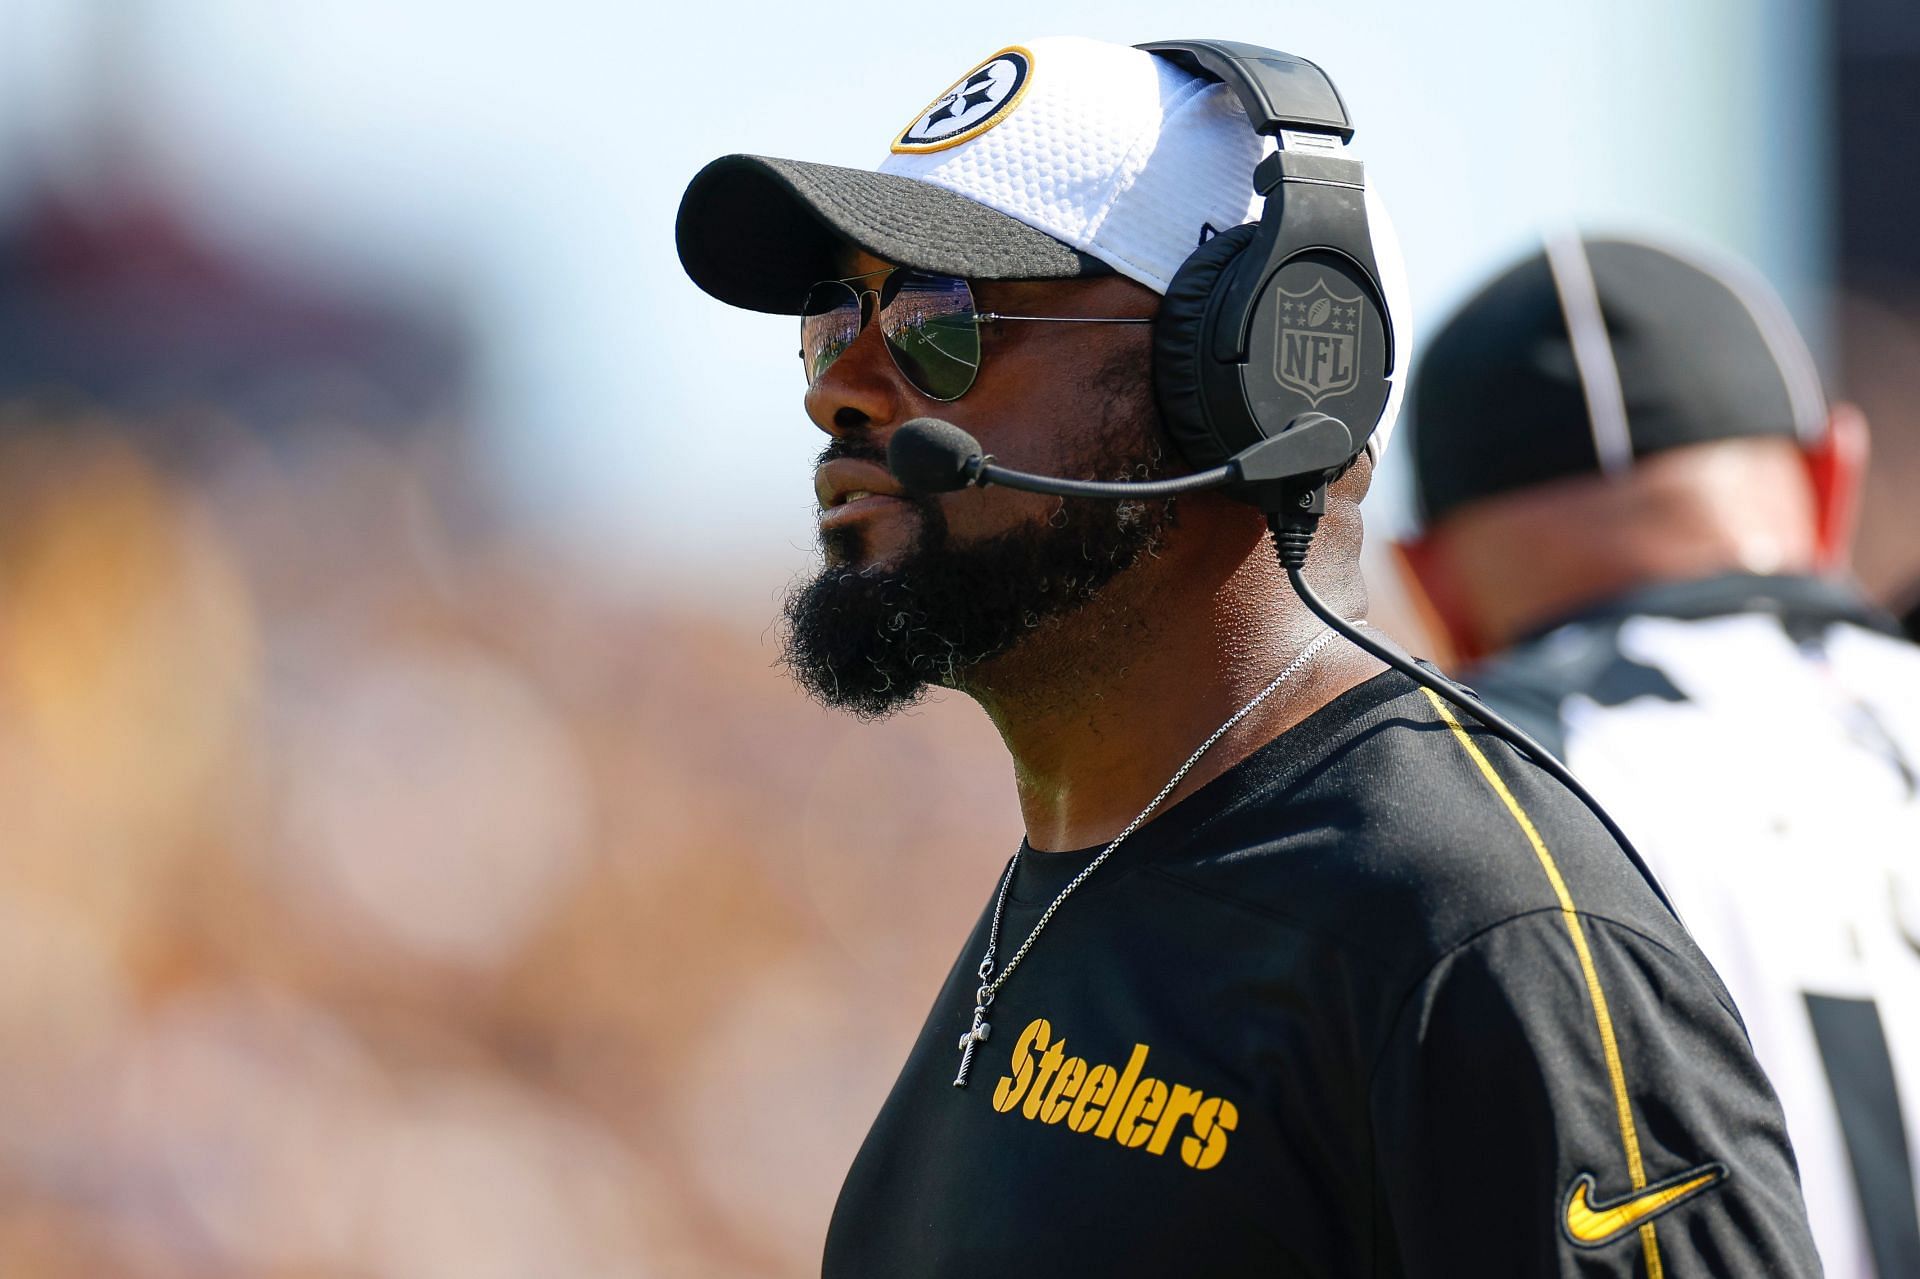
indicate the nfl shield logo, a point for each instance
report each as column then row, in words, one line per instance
column 1319, row 335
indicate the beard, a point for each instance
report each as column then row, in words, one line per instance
column 874, row 640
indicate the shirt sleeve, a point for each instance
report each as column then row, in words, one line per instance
column 1564, row 1096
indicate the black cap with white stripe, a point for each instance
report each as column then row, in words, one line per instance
column 1597, row 351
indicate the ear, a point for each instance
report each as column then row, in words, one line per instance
column 1837, row 469
column 1425, row 575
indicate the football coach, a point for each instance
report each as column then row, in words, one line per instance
column 1298, row 970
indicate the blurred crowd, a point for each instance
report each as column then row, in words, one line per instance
column 381, row 896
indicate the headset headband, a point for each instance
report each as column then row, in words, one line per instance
column 1278, row 90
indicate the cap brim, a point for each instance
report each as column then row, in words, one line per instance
column 757, row 232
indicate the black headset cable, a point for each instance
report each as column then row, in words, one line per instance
column 1293, row 536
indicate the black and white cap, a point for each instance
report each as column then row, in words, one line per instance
column 1597, row 351
column 1055, row 158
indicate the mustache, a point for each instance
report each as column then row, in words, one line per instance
column 860, row 449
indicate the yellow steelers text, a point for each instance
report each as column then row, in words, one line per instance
column 1122, row 1105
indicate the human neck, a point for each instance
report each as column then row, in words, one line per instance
column 1099, row 710
column 1525, row 596
column 1540, row 554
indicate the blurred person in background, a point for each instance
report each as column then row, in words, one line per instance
column 1637, row 513
column 1358, row 991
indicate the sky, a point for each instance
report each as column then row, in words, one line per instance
column 527, row 165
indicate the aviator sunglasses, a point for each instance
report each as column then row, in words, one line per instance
column 929, row 321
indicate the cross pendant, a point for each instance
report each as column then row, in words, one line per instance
column 975, row 1035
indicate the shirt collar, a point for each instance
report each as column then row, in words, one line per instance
column 1801, row 603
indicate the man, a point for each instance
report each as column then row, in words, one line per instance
column 1637, row 510
column 1294, row 973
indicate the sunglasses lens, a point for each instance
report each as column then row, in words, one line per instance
column 829, row 322
column 928, row 322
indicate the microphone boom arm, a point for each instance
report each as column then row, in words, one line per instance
column 983, row 471
column 1270, row 472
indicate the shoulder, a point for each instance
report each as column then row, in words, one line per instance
column 1408, row 833
column 1704, row 644
column 1528, row 973
column 1594, row 660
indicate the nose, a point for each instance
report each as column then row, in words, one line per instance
column 861, row 391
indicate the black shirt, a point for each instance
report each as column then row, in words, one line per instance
column 1339, row 1012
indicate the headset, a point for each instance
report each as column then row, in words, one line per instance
column 1264, row 389
column 1269, row 323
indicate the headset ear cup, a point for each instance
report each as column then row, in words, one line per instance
column 1179, row 345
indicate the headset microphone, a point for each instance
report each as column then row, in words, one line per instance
column 928, row 455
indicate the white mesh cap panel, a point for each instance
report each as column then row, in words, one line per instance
column 1127, row 158
column 1120, row 154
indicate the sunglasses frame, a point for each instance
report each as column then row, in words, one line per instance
column 976, row 317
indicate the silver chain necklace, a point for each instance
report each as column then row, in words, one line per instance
column 989, row 983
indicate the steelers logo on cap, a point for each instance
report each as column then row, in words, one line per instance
column 977, row 101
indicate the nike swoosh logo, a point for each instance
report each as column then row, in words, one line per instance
column 1592, row 1224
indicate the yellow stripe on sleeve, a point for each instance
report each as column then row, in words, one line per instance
column 1616, row 1073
